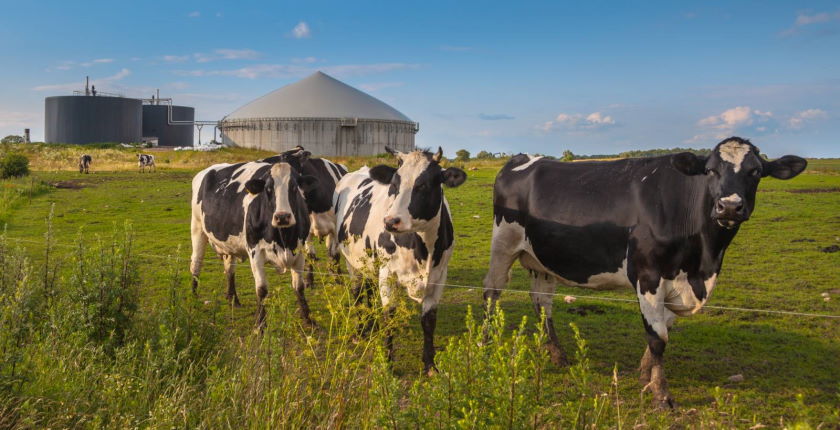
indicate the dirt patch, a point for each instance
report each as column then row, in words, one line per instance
column 582, row 310
column 69, row 185
column 804, row 239
column 814, row 190
column 832, row 248
column 777, row 219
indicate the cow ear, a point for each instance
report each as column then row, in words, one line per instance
column 390, row 150
column 785, row 168
column 307, row 183
column 453, row 177
column 255, row 186
column 382, row 173
column 689, row 164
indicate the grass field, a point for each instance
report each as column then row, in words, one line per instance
column 790, row 364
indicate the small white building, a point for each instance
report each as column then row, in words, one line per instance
column 322, row 114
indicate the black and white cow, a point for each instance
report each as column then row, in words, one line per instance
column 400, row 217
column 319, row 199
column 257, row 211
column 84, row 163
column 659, row 225
column 146, row 160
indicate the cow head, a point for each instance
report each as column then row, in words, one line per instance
column 415, row 188
column 732, row 172
column 282, row 187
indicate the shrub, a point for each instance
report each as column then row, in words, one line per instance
column 484, row 155
column 462, row 155
column 12, row 138
column 568, row 155
column 14, row 165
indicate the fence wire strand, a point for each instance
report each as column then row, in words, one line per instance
column 473, row 287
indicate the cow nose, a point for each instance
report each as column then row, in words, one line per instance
column 282, row 218
column 729, row 206
column 392, row 222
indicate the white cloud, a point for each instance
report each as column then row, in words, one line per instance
column 746, row 121
column 804, row 19
column 809, row 115
column 285, row 71
column 301, row 31
column 176, row 58
column 10, row 119
column 376, row 86
column 729, row 119
column 304, row 60
column 194, row 14
column 68, row 65
column 577, row 122
column 109, row 80
column 237, row 54
column 178, row 85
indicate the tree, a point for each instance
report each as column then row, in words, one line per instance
column 568, row 155
column 484, row 155
column 12, row 138
column 462, row 155
column 14, row 165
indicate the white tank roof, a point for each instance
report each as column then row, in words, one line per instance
column 318, row 96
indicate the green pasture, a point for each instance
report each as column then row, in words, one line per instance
column 780, row 260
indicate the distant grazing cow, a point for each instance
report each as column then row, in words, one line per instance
column 659, row 225
column 145, row 160
column 319, row 199
column 257, row 211
column 400, row 216
column 84, row 163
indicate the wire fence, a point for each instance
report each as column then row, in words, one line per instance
column 473, row 287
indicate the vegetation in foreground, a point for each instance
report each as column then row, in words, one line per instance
column 98, row 328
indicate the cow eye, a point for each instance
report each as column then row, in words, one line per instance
column 755, row 173
column 711, row 172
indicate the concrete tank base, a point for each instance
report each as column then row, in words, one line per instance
column 321, row 136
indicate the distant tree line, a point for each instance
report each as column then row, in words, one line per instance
column 464, row 155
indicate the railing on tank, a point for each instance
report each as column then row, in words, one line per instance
column 97, row 94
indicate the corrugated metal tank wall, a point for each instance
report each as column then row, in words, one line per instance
column 156, row 124
column 322, row 137
column 92, row 119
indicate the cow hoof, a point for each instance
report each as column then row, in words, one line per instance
column 666, row 404
column 644, row 379
column 236, row 303
column 558, row 358
column 430, row 371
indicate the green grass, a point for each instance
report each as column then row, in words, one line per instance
column 775, row 262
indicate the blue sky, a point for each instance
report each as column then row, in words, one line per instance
column 593, row 77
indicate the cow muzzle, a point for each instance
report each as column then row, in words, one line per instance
column 282, row 219
column 729, row 212
column 394, row 224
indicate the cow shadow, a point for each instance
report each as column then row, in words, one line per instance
column 772, row 353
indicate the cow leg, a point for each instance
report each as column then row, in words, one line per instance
column 310, row 264
column 230, row 277
column 503, row 252
column 428, row 320
column 199, row 243
column 385, row 295
column 335, row 255
column 543, row 287
column 258, row 270
column 299, row 285
column 656, row 319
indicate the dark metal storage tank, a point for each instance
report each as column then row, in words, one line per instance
column 93, row 119
column 156, row 124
